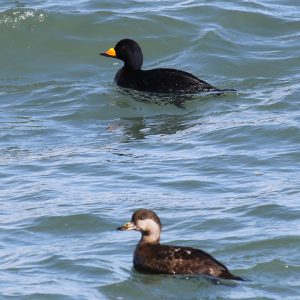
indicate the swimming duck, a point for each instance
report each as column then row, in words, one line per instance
column 161, row 80
column 152, row 257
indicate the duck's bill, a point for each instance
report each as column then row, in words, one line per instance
column 127, row 226
column 111, row 52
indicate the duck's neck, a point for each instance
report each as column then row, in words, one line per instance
column 152, row 234
column 150, row 238
column 133, row 65
column 150, row 231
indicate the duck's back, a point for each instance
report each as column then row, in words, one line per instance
column 162, row 80
column 165, row 259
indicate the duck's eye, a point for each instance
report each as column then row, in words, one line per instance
column 142, row 218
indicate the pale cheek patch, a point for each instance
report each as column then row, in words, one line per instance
column 152, row 229
column 148, row 225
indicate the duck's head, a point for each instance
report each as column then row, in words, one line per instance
column 147, row 222
column 128, row 51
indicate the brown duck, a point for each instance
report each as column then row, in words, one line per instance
column 152, row 257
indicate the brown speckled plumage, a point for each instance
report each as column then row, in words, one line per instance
column 152, row 257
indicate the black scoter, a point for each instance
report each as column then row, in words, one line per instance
column 152, row 257
column 161, row 80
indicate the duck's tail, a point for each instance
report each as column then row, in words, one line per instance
column 226, row 90
column 228, row 275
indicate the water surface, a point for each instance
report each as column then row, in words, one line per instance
column 78, row 156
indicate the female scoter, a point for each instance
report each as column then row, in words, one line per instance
column 152, row 257
column 160, row 80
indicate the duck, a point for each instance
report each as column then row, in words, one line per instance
column 160, row 80
column 152, row 257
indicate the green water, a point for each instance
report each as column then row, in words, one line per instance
column 78, row 156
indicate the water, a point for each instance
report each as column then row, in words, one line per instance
column 78, row 156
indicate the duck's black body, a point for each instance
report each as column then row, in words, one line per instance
column 152, row 257
column 162, row 80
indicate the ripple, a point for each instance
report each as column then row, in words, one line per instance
column 16, row 17
column 67, row 224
